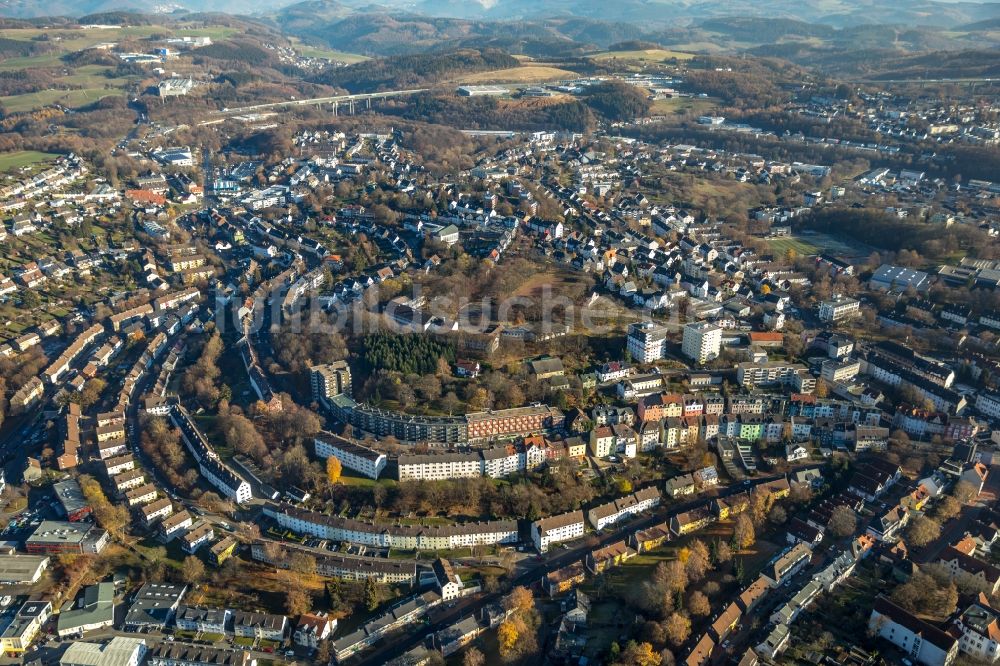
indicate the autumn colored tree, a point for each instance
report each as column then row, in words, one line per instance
column 697, row 561
column 297, row 601
column 639, row 654
column 670, row 577
column 698, row 604
column 192, row 570
column 743, row 532
column 843, row 521
column 677, row 628
column 520, row 600
column 922, row 531
column 964, row 492
column 473, row 657
column 760, row 505
column 372, row 597
column 508, row 634
column 334, row 469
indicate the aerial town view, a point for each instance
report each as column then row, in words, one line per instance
column 499, row 333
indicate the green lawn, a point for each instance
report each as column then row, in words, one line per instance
column 23, row 158
column 781, row 246
column 349, row 479
column 332, row 54
column 682, row 105
column 68, row 98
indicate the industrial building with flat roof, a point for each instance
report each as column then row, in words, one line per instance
column 56, row 536
column 22, row 569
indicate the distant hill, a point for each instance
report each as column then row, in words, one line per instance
column 77, row 8
column 413, row 71
column 647, row 14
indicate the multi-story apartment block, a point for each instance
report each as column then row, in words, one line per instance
column 646, row 341
column 203, row 620
column 262, row 626
column 554, row 529
column 923, row 642
column 840, row 308
column 406, row 537
column 351, row 455
column 795, row 375
column 625, row 507
column 702, row 341
column 438, row 466
column 979, row 625
column 329, row 380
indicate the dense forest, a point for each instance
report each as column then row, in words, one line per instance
column 234, row 52
column 617, row 101
column 406, row 353
column 888, row 232
column 493, row 114
column 412, row 71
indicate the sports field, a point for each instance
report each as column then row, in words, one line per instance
column 22, row 158
column 781, row 246
column 813, row 243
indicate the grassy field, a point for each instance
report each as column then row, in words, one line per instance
column 813, row 243
column 781, row 246
column 647, row 55
column 319, row 52
column 526, row 74
column 70, row 39
column 89, row 83
column 683, row 105
column 68, row 98
column 23, row 158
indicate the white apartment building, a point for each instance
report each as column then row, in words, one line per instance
column 204, row 620
column 226, row 480
column 923, row 642
column 989, row 404
column 623, row 507
column 500, row 461
column 440, row 466
column 839, row 308
column 563, row 527
column 602, row 442
column 406, row 537
column 155, row 511
column 646, row 341
column 980, row 626
column 702, row 341
column 833, row 371
column 351, row 455
column 751, row 375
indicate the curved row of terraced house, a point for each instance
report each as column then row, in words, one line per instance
column 406, row 537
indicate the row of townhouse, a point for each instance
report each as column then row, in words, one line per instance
column 75, row 350
column 555, row 529
column 406, row 537
column 605, row 515
column 401, row 613
column 212, row 469
column 494, row 462
column 663, row 405
column 223, row 621
column 892, row 373
column 336, row 565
